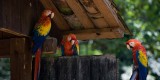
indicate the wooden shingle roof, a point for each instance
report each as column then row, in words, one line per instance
column 88, row 19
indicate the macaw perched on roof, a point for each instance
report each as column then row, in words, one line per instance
column 40, row 33
column 70, row 46
column 140, row 59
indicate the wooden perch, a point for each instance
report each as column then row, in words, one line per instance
column 79, row 68
column 50, row 45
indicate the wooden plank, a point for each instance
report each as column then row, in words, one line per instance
column 79, row 68
column 50, row 46
column 58, row 19
column 8, row 31
column 90, row 30
column 107, row 12
column 1, row 34
column 1, row 16
column 127, row 31
column 119, row 32
column 4, row 48
column 97, row 33
column 27, row 60
column 20, row 57
column 80, row 13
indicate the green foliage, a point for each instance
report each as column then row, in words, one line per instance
column 4, row 69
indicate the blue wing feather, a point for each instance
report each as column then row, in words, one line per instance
column 38, row 40
column 75, row 50
column 62, row 49
column 141, row 68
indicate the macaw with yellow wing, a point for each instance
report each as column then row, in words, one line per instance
column 40, row 33
column 140, row 59
column 70, row 46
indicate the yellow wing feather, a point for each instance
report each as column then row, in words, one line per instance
column 77, row 48
column 143, row 58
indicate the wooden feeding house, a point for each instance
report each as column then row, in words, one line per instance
column 88, row 19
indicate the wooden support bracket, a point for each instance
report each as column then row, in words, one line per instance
column 21, row 59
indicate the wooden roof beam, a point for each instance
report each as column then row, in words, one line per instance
column 58, row 19
column 110, row 16
column 11, row 33
column 80, row 13
column 97, row 33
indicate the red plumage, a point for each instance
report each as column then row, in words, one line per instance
column 139, row 59
column 69, row 45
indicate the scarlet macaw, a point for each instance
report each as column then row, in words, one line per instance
column 139, row 59
column 70, row 46
column 40, row 33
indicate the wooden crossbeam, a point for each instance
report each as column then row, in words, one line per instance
column 11, row 33
column 20, row 59
column 97, row 33
column 58, row 19
column 80, row 13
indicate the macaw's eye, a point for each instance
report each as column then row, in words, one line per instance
column 131, row 44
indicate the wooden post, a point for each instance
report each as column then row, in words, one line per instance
column 21, row 59
column 80, row 68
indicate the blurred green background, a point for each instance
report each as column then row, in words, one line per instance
column 143, row 19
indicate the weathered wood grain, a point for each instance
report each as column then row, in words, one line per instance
column 80, row 13
column 50, row 46
column 80, row 68
column 97, row 33
column 21, row 59
column 106, row 12
column 4, row 48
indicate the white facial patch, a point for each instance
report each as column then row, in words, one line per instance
column 48, row 12
column 69, row 38
column 132, row 44
column 72, row 42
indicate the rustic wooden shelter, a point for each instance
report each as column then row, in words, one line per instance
column 88, row 19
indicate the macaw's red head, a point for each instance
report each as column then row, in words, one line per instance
column 48, row 13
column 72, row 38
column 133, row 43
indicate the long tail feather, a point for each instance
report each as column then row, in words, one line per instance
column 37, row 64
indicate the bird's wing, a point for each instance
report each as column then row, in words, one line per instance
column 142, row 64
column 75, row 49
column 40, row 33
column 62, row 48
column 77, row 46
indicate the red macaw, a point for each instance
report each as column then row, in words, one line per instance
column 70, row 46
column 140, row 59
column 40, row 33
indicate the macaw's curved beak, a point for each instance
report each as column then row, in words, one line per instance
column 52, row 15
column 128, row 47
